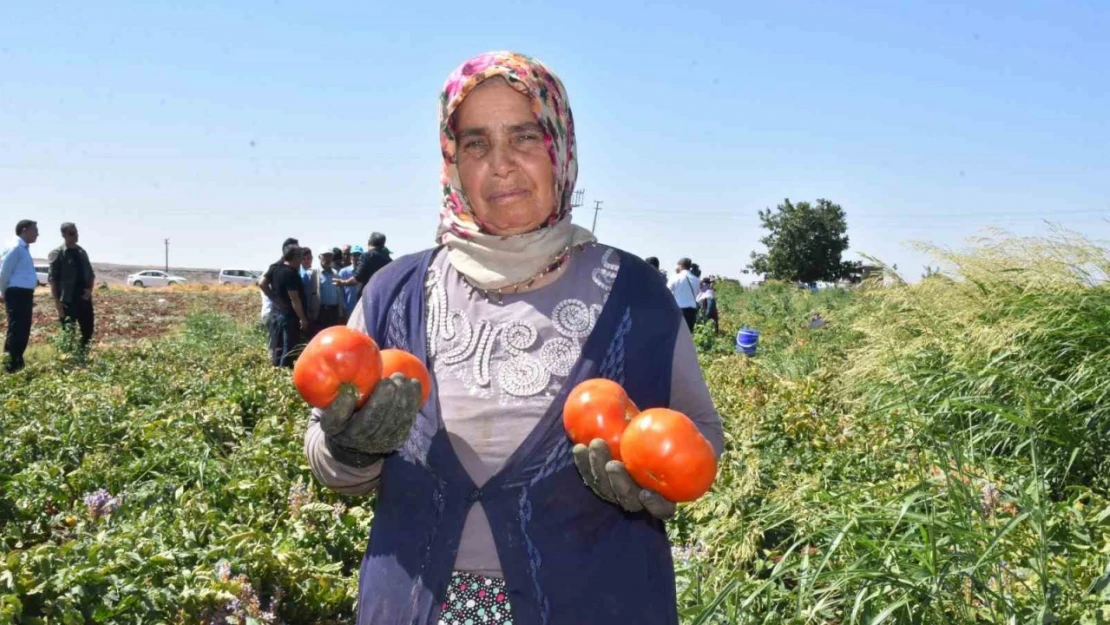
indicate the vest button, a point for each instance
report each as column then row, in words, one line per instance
column 474, row 495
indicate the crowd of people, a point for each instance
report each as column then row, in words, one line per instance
column 299, row 300
column 71, row 279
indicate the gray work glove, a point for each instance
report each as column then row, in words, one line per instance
column 610, row 480
column 360, row 437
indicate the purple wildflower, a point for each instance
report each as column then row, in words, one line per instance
column 235, row 610
column 100, row 503
column 223, row 570
column 989, row 498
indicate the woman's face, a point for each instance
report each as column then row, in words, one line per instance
column 503, row 163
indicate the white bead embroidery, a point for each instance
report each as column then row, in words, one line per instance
column 606, row 275
column 607, row 260
column 512, row 353
column 467, row 340
column 523, row 376
column 572, row 318
column 518, row 336
column 487, row 336
column 559, row 355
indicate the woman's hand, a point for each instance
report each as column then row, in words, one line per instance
column 610, row 480
column 359, row 437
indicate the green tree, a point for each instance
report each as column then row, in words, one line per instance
column 804, row 243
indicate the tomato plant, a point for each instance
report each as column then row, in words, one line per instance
column 598, row 408
column 664, row 451
column 338, row 358
column 400, row 361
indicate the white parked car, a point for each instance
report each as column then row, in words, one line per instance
column 42, row 272
column 238, row 276
column 153, row 277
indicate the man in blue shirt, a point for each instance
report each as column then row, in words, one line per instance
column 351, row 288
column 327, row 301
column 17, row 291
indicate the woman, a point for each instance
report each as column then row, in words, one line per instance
column 707, row 303
column 485, row 513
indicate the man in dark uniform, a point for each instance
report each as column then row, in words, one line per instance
column 71, row 283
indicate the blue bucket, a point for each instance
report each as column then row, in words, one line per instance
column 747, row 340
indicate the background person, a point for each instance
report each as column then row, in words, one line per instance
column 325, row 300
column 17, row 292
column 684, row 286
column 707, row 304
column 71, row 283
column 371, row 262
column 289, row 318
column 352, row 290
column 265, row 282
column 305, row 271
column 376, row 257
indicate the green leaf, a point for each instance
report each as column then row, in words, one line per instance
column 881, row 617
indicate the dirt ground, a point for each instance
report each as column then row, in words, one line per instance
column 127, row 314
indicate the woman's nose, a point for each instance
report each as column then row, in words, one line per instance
column 502, row 158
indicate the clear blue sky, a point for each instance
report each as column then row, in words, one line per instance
column 227, row 126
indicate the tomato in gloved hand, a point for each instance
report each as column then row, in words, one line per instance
column 400, row 361
column 338, row 360
column 663, row 451
column 598, row 408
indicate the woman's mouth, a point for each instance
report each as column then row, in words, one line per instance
column 510, row 195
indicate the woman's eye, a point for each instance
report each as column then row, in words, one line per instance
column 474, row 145
column 528, row 137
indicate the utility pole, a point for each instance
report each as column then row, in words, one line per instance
column 576, row 199
column 167, row 256
column 597, row 207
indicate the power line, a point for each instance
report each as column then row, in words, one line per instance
column 576, row 199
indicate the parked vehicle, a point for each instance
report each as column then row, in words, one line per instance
column 153, row 277
column 238, row 276
column 42, row 272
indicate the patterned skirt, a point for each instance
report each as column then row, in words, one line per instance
column 475, row 600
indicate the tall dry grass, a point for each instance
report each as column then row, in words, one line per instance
column 937, row 454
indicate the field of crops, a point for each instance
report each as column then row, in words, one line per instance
column 125, row 314
column 936, row 453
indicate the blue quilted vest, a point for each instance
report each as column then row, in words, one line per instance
column 568, row 557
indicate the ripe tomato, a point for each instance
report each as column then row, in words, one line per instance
column 337, row 360
column 664, row 451
column 400, row 361
column 598, row 408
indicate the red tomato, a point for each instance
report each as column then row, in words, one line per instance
column 598, row 408
column 400, row 361
column 664, row 451
column 337, row 360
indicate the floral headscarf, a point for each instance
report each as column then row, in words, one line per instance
column 487, row 260
column 549, row 104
